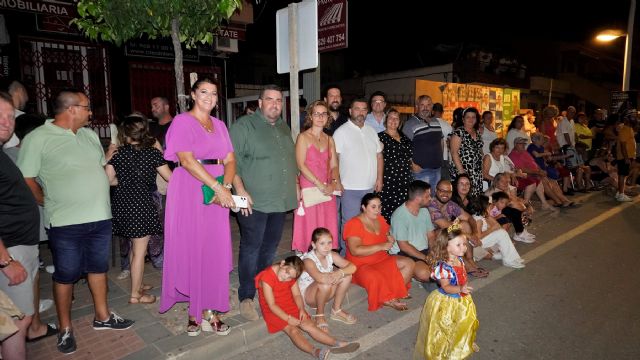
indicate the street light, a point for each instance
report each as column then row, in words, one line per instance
column 610, row 35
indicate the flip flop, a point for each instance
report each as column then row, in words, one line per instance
column 478, row 273
column 52, row 329
column 396, row 305
column 143, row 299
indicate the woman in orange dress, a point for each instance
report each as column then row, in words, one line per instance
column 385, row 277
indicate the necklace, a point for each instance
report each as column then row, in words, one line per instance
column 208, row 127
column 316, row 138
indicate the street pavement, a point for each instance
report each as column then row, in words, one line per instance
column 576, row 299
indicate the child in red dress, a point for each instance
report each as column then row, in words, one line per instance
column 283, row 309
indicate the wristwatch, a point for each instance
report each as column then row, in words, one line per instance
column 228, row 186
column 4, row 264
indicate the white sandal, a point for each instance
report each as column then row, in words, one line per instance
column 348, row 319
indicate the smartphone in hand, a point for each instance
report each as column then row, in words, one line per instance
column 241, row 201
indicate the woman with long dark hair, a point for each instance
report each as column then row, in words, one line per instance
column 197, row 243
column 466, row 150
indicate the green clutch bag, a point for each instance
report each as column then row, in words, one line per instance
column 208, row 193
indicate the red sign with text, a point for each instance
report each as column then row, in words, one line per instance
column 332, row 25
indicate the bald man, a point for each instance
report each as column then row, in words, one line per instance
column 69, row 159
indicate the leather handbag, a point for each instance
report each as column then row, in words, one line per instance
column 313, row 196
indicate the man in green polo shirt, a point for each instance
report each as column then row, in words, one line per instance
column 412, row 228
column 266, row 175
column 69, row 161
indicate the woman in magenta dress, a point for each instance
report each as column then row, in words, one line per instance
column 318, row 163
column 197, row 244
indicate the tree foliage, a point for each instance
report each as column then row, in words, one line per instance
column 186, row 21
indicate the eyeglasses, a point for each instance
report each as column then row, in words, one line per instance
column 87, row 107
column 446, row 191
column 378, row 101
column 320, row 114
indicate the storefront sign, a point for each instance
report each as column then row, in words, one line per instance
column 158, row 49
column 41, row 7
column 4, row 63
column 622, row 101
column 332, row 25
column 56, row 23
column 231, row 32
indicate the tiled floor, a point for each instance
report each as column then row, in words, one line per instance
column 153, row 335
column 92, row 344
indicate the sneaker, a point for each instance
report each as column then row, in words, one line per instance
column 114, row 322
column 527, row 234
column 523, row 238
column 66, row 342
column 622, row 197
column 50, row 269
column 248, row 310
column 45, row 304
column 124, row 274
column 515, row 265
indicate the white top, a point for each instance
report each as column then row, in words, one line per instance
column 485, row 226
column 566, row 126
column 504, row 165
column 357, row 150
column 305, row 279
column 487, row 137
column 447, row 130
column 512, row 135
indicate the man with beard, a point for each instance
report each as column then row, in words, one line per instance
column 160, row 111
column 444, row 212
column 425, row 132
column 333, row 97
column 361, row 163
column 266, row 176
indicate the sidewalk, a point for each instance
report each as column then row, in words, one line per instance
column 161, row 336
column 154, row 335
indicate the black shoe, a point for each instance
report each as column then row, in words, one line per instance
column 568, row 192
column 66, row 342
column 115, row 322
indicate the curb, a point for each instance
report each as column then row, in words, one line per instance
column 249, row 336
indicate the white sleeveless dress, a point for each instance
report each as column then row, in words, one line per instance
column 305, row 279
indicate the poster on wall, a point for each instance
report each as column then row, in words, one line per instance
column 503, row 103
column 507, row 111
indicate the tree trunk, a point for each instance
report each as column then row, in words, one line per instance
column 177, row 50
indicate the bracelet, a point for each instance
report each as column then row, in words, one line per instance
column 228, row 186
column 342, row 272
column 6, row 263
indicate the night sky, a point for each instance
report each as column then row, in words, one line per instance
column 398, row 35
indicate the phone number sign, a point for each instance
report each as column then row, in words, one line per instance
column 332, row 25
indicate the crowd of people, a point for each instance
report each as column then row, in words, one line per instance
column 376, row 203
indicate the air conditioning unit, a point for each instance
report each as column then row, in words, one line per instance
column 226, row 45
